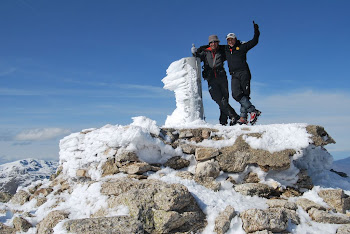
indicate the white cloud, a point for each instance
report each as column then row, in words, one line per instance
column 41, row 134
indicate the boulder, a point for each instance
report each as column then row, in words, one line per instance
column 208, row 168
column 260, row 220
column 136, row 168
column 50, row 221
column 203, row 154
column 255, row 189
column 307, row 204
column 21, row 224
column 322, row 216
column 276, row 203
column 5, row 197
column 177, row 163
column 6, row 229
column 20, row 198
column 109, row 167
column 105, row 225
column 147, row 198
column 235, row 158
column 188, row 148
column 336, row 198
column 223, row 220
column 344, row 229
column 319, row 136
column 125, row 157
column 208, row 182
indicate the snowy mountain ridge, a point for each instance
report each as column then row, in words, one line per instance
column 23, row 172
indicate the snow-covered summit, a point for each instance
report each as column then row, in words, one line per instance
column 23, row 172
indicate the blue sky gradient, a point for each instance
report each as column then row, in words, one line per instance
column 69, row 65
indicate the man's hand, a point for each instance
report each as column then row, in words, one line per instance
column 256, row 27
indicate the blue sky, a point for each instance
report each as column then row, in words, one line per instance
column 70, row 65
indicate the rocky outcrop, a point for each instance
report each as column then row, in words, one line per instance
column 123, row 181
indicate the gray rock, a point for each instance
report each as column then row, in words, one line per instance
column 43, row 191
column 235, row 158
column 50, row 221
column 304, row 181
column 185, row 175
column 255, row 189
column 252, row 178
column 145, row 197
column 209, row 168
column 203, row 154
column 109, row 167
column 124, row 157
column 274, row 203
column 82, row 173
column 344, row 229
column 186, row 133
column 188, row 148
column 336, row 198
column 223, row 220
column 105, row 225
column 21, row 224
column 165, row 221
column 6, row 229
column 319, row 136
column 291, row 214
column 20, row 198
column 322, row 216
column 136, row 168
column 259, row 220
column 177, row 163
column 5, row 197
column 208, row 182
column 307, row 204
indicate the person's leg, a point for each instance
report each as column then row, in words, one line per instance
column 216, row 95
column 225, row 100
column 245, row 101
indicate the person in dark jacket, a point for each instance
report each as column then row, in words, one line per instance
column 236, row 55
column 215, row 74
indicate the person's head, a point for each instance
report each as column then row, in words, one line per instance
column 231, row 39
column 214, row 42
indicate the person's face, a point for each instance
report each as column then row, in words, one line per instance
column 231, row 41
column 214, row 45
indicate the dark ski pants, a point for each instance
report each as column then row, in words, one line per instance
column 218, row 89
column 240, row 86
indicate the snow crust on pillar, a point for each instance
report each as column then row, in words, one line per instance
column 184, row 78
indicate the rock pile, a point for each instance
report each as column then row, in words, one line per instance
column 130, row 199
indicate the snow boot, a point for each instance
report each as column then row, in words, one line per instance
column 242, row 120
column 254, row 116
column 234, row 120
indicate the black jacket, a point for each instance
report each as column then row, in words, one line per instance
column 211, row 69
column 237, row 55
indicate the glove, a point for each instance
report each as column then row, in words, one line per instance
column 193, row 49
column 256, row 27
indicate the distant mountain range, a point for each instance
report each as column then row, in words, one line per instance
column 342, row 165
column 24, row 172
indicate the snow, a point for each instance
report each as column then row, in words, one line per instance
column 89, row 148
column 23, row 172
column 184, row 78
